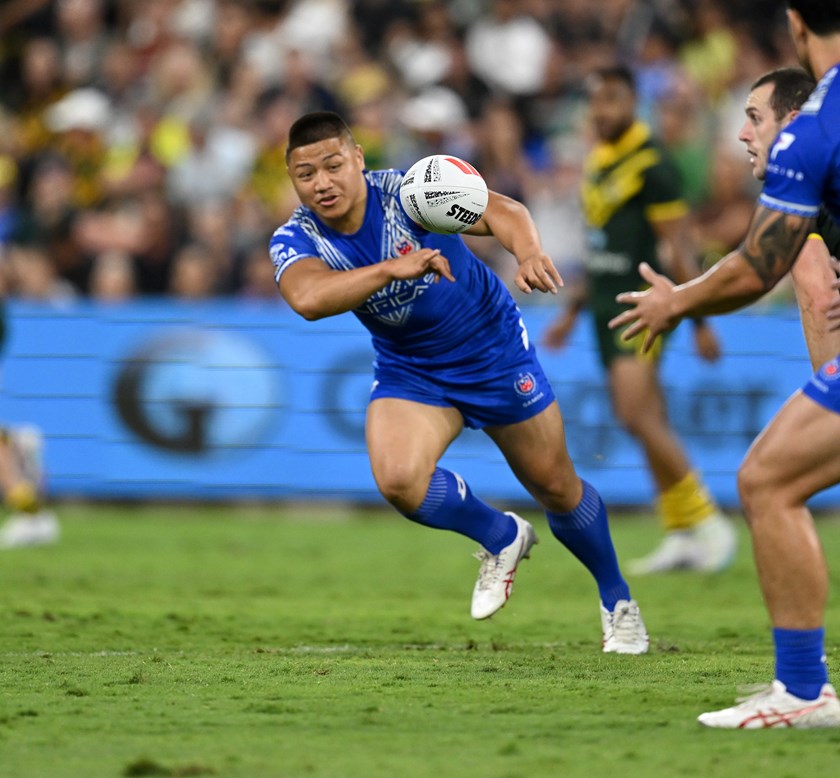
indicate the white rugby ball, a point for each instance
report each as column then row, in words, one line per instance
column 444, row 194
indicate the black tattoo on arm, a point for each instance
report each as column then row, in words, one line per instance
column 773, row 243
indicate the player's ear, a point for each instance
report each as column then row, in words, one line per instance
column 796, row 25
column 789, row 117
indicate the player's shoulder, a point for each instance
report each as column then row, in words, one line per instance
column 825, row 99
column 387, row 179
column 819, row 116
column 301, row 224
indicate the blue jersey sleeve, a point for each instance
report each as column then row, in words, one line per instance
column 288, row 245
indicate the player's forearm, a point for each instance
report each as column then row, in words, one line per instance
column 339, row 291
column 511, row 224
column 731, row 284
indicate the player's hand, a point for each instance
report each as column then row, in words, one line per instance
column 706, row 342
column 650, row 311
column 538, row 272
column 557, row 333
column 419, row 263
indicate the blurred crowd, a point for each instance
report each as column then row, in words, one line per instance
column 142, row 141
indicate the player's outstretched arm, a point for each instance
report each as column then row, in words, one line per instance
column 315, row 291
column 511, row 224
column 772, row 245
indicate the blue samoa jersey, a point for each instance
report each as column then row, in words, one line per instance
column 803, row 168
column 416, row 320
column 803, row 173
column 460, row 344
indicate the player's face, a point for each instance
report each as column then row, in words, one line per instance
column 329, row 180
column 760, row 128
column 612, row 108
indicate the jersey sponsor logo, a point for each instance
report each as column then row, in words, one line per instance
column 784, row 141
column 608, row 262
column 279, row 257
column 463, row 215
column 786, row 172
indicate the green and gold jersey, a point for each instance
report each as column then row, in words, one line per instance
column 627, row 187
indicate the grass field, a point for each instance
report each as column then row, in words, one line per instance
column 260, row 643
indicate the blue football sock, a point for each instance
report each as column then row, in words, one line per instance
column 586, row 533
column 450, row 504
column 800, row 661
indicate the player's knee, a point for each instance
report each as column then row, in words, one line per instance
column 559, row 491
column 402, row 487
column 755, row 486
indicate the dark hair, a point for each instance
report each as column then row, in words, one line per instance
column 615, row 73
column 822, row 17
column 791, row 87
column 317, row 126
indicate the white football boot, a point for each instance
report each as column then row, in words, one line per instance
column 708, row 547
column 623, row 630
column 29, row 529
column 775, row 707
column 495, row 577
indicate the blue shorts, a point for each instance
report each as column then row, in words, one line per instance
column 824, row 386
column 505, row 393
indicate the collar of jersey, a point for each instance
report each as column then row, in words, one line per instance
column 606, row 154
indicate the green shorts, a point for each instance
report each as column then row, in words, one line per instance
column 611, row 346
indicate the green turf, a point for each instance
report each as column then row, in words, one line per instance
column 262, row 643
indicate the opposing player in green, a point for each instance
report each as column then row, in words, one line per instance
column 633, row 205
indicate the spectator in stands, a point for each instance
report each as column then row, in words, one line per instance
column 113, row 278
column 194, row 273
column 32, row 275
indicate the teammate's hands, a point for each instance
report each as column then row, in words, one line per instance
column 419, row 263
column 538, row 272
column 650, row 311
column 706, row 342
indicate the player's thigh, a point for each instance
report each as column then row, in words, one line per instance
column 405, row 439
column 795, row 456
column 635, row 391
column 537, row 454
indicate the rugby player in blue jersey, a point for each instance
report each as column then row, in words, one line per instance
column 451, row 351
column 797, row 454
column 773, row 102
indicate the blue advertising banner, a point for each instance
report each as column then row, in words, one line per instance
column 238, row 400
